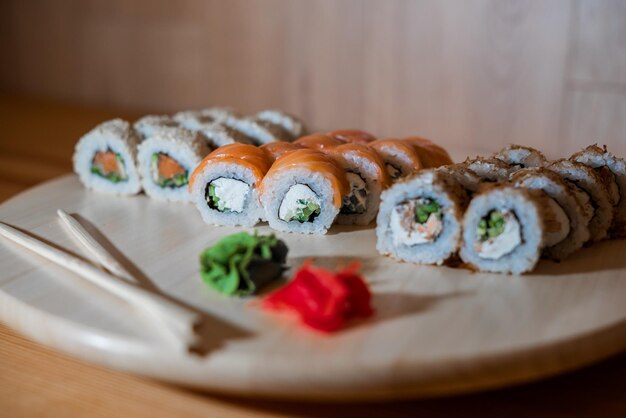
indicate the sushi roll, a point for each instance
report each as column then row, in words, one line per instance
column 519, row 157
column 431, row 155
column 290, row 124
column 573, row 232
column 612, row 171
column 303, row 192
column 225, row 185
column 591, row 194
column 490, row 169
column 257, row 131
column 166, row 159
column 366, row 174
column 420, row 218
column 195, row 120
column 105, row 158
column 505, row 229
column 146, row 126
column 469, row 180
column 318, row 141
column 208, row 123
column 400, row 157
column 352, row 135
column 275, row 150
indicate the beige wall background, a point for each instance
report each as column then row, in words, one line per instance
column 473, row 74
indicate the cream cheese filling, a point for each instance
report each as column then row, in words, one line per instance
column 406, row 231
column 293, row 201
column 497, row 247
column 232, row 194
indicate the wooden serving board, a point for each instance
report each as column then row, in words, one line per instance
column 437, row 330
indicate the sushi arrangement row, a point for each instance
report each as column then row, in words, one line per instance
column 157, row 153
column 303, row 185
column 503, row 213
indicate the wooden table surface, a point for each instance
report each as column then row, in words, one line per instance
column 36, row 142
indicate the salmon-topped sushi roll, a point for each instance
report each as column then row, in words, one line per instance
column 431, row 155
column 367, row 177
column 225, row 185
column 318, row 141
column 275, row 150
column 166, row 159
column 303, row 192
column 400, row 157
column 105, row 158
column 352, row 135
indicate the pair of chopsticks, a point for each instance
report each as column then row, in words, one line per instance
column 179, row 325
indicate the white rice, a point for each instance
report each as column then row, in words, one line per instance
column 429, row 184
column 252, row 212
column 276, row 186
column 527, row 210
column 115, row 135
column 184, row 146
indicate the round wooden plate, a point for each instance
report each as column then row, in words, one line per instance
column 437, row 330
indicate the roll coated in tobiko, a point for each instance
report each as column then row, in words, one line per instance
column 505, row 229
column 105, row 158
column 225, row 185
column 303, row 192
column 166, row 159
column 420, row 218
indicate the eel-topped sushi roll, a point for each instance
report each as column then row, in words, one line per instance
column 518, row 157
column 225, row 185
column 612, row 171
column 147, row 125
column 420, row 218
column 400, row 157
column 367, row 176
column 290, row 123
column 505, row 229
column 105, row 158
column 590, row 192
column 573, row 231
column 303, row 192
column 166, row 158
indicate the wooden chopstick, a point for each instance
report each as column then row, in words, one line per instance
column 181, row 323
column 98, row 253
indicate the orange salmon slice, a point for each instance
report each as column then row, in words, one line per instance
column 107, row 161
column 169, row 167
